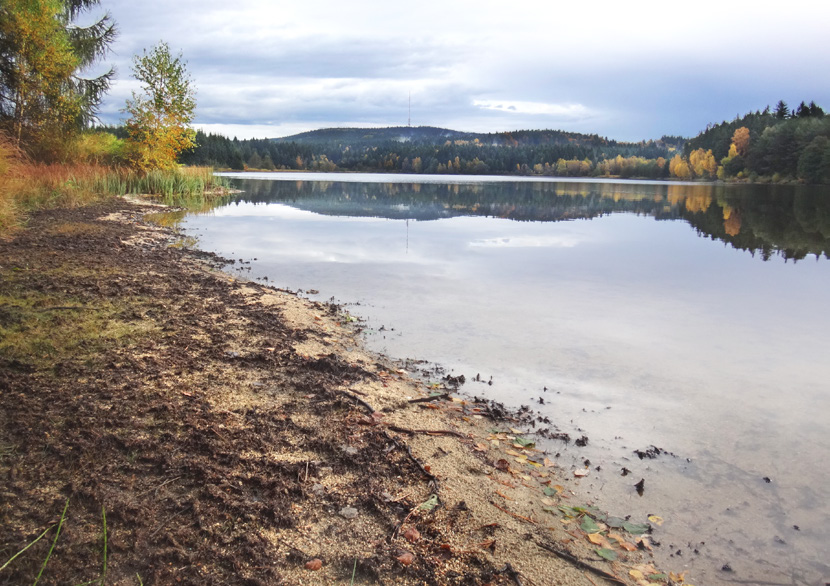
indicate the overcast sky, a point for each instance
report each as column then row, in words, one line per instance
column 626, row 70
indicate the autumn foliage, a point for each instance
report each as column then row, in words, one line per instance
column 161, row 113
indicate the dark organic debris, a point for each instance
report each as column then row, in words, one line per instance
column 582, row 442
column 640, row 486
column 455, row 381
column 189, row 484
column 651, row 452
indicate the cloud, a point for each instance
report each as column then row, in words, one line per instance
column 651, row 69
column 564, row 111
column 551, row 241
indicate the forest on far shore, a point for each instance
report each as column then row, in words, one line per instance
column 779, row 144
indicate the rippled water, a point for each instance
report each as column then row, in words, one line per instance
column 689, row 317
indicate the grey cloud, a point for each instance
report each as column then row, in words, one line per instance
column 258, row 73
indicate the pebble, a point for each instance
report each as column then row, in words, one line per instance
column 348, row 512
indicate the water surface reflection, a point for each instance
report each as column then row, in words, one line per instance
column 672, row 332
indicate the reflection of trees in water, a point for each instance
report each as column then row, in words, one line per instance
column 792, row 221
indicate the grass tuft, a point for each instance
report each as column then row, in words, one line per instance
column 54, row 543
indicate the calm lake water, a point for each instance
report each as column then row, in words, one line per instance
column 693, row 318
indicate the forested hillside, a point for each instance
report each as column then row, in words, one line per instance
column 779, row 144
column 433, row 150
column 769, row 145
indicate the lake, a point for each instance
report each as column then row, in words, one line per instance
column 688, row 317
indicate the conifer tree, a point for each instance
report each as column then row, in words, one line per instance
column 44, row 54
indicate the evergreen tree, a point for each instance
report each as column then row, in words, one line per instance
column 44, row 96
column 782, row 110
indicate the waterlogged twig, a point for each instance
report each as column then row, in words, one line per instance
column 359, row 400
column 512, row 573
column 512, row 514
column 579, row 563
column 427, row 431
column 430, row 398
column 54, row 542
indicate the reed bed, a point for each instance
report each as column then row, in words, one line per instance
column 26, row 186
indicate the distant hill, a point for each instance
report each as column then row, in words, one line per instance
column 439, row 136
column 419, row 134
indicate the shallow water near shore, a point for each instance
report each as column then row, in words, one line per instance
column 688, row 317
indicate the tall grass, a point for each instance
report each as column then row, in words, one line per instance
column 26, row 186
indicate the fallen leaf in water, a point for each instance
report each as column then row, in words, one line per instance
column 479, row 447
column 314, row 564
column 581, row 472
column 681, row 577
column 615, row 522
column 548, row 462
column 626, row 545
column 608, row 554
column 656, row 519
column 588, row 525
column 429, row 504
column 406, row 558
column 599, row 539
column 411, row 535
column 553, row 490
column 510, row 452
column 548, row 502
column 516, row 431
column 521, row 442
column 636, row 574
column 635, row 528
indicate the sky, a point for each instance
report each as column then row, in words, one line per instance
column 625, row 70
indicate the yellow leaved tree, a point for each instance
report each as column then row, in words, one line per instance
column 160, row 116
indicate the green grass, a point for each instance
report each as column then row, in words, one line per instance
column 99, row 580
column 54, row 543
column 37, row 328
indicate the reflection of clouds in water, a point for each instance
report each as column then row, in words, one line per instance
column 527, row 242
column 283, row 212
